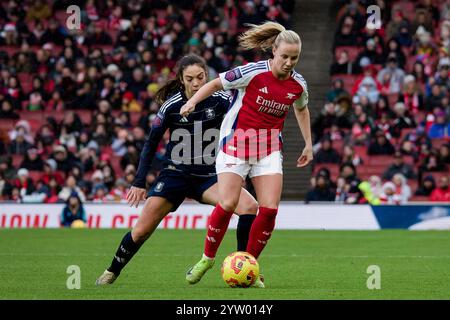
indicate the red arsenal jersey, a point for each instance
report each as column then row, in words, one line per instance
column 252, row 127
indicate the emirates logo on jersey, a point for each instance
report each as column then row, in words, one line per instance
column 271, row 107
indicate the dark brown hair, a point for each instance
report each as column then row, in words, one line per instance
column 175, row 85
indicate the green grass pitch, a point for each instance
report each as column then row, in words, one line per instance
column 296, row 265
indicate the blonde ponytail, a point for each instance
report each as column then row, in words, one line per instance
column 267, row 35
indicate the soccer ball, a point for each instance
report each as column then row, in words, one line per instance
column 240, row 269
column 78, row 224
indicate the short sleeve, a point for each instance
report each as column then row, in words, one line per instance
column 240, row 77
column 223, row 100
column 302, row 102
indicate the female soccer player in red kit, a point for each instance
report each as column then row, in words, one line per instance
column 250, row 141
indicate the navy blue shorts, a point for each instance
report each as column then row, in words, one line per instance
column 175, row 186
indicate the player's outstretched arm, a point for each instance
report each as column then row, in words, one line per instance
column 204, row 92
column 304, row 122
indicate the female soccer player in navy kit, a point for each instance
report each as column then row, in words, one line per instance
column 249, row 139
column 192, row 177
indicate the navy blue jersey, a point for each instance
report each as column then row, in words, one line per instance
column 191, row 130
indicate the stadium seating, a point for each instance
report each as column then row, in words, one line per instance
column 352, row 51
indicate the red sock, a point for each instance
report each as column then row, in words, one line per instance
column 218, row 225
column 261, row 230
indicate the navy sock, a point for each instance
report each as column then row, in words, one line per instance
column 125, row 252
column 243, row 230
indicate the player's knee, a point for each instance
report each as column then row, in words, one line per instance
column 250, row 206
column 229, row 205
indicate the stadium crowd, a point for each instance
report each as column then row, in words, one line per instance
column 77, row 104
column 383, row 136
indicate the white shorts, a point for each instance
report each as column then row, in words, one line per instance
column 272, row 164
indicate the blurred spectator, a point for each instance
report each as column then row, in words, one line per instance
column 55, row 103
column 338, row 91
column 6, row 166
column 129, row 103
column 98, row 183
column 49, row 173
column 3, row 141
column 38, row 11
column 19, row 145
column 132, row 156
column 431, row 162
column 411, row 95
column 442, row 192
column 384, row 124
column 402, row 189
column 5, row 187
column 398, row 166
column 441, row 77
column 393, row 49
column 382, row 106
column 367, row 86
column 370, row 55
column 24, row 183
column 129, row 173
column 350, row 156
column 7, row 111
column 45, row 136
column 98, row 35
column 21, row 137
column 392, row 75
column 408, row 148
column 345, row 36
column 343, row 65
column 375, row 186
column 424, row 46
column 444, row 153
column 322, row 190
column 101, row 135
column 404, row 36
column 360, row 132
column 422, row 19
column 348, row 185
column 426, row 187
column 326, row 153
column 327, row 118
column 109, row 176
column 396, row 24
column 402, row 120
column 388, row 195
column 32, row 160
column 53, row 34
column 69, row 188
column 73, row 211
column 9, row 36
column 441, row 128
column 100, row 194
column 418, row 72
column 380, row 145
column 435, row 98
column 118, row 143
column 72, row 122
column 64, row 160
column 67, row 138
column 119, row 192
